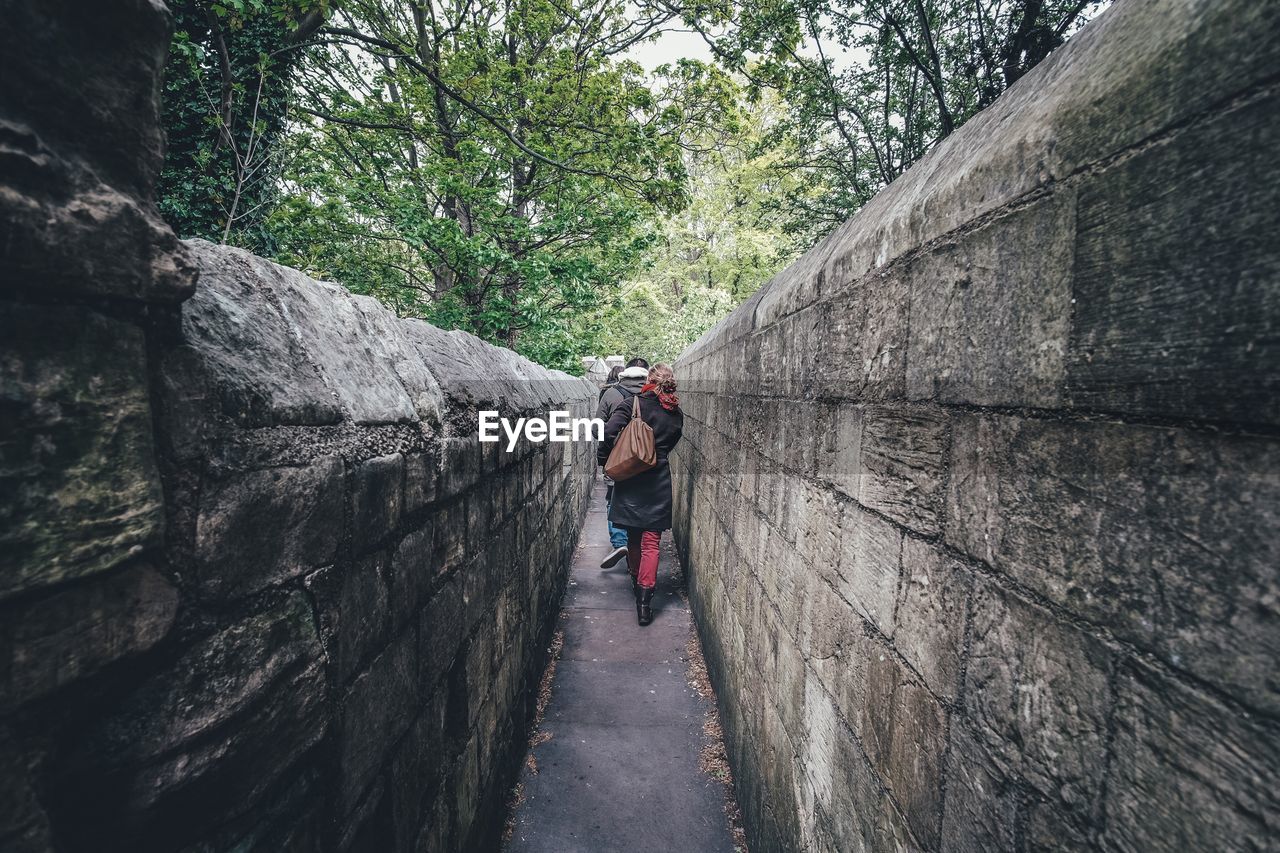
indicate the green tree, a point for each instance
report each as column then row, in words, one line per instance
column 491, row 165
column 871, row 85
column 718, row 250
column 500, row 166
column 225, row 105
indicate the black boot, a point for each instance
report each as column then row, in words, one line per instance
column 642, row 606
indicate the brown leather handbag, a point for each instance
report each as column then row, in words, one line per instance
column 633, row 451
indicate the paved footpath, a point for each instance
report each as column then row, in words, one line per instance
column 620, row 770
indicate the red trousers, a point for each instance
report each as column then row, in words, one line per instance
column 642, row 555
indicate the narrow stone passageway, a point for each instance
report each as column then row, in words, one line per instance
column 616, row 765
column 977, row 500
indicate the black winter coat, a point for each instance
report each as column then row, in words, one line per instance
column 644, row 500
column 621, row 390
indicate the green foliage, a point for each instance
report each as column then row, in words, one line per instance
column 489, row 167
column 500, row 166
column 225, row 106
column 715, row 252
column 871, row 85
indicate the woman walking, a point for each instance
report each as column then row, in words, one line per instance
column 642, row 504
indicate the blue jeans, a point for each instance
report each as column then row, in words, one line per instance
column 617, row 536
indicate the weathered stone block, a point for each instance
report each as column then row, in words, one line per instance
column 460, row 465
column 1037, row 694
column 870, row 556
column 332, row 329
column 1048, row 826
column 771, row 486
column 84, row 237
column 990, row 310
column 379, row 707
column 479, row 665
column 902, row 465
column 82, row 493
column 930, row 616
column 377, row 495
column 352, row 602
column 24, row 826
column 83, row 146
column 799, row 285
column 411, row 574
column 789, row 372
column 450, row 537
column 239, row 350
column 498, row 725
column 421, row 480
column 903, row 729
column 868, row 810
column 782, row 575
column 416, row 774
column 55, row 640
column 817, row 534
column 988, row 807
column 834, row 644
column 1179, row 754
column 982, row 805
column 441, row 824
column 1176, row 303
column 842, row 467
column 817, row 749
column 217, row 728
column 864, row 351
column 261, row 527
column 386, row 337
column 466, row 789
column 368, row 825
column 787, row 675
column 464, row 374
column 479, row 519
column 807, row 433
column 440, row 633
column 1167, row 536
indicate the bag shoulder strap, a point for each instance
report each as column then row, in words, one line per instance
column 635, row 406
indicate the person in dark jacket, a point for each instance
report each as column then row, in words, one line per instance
column 629, row 381
column 625, row 384
column 642, row 504
column 611, row 380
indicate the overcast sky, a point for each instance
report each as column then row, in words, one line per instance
column 668, row 47
column 675, row 44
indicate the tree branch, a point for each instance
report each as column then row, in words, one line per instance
column 489, row 119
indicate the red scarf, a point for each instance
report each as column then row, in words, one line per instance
column 668, row 399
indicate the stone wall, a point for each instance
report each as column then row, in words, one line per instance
column 260, row 587
column 980, row 499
